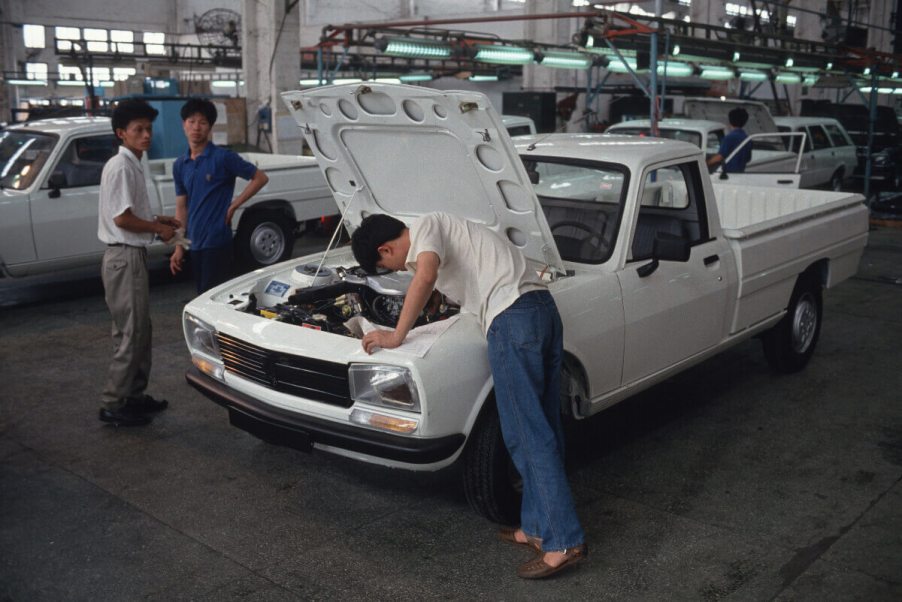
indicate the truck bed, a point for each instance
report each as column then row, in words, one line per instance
column 777, row 233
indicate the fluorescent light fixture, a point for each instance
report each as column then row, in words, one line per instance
column 809, row 80
column 605, row 49
column 313, row 82
column 736, row 56
column 788, row 78
column 717, row 73
column 675, row 69
column 753, row 65
column 26, row 82
column 789, row 62
column 565, row 60
column 388, row 80
column 483, row 78
column 416, row 77
column 618, row 66
column 867, row 71
column 70, row 82
column 676, row 49
column 829, row 65
column 105, row 84
column 414, row 48
column 751, row 75
column 503, row 55
column 895, row 75
column 223, row 83
column 325, row 82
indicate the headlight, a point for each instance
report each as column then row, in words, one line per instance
column 200, row 336
column 388, row 386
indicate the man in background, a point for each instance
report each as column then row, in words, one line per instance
column 204, row 186
column 738, row 118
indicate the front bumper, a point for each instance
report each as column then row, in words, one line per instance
column 280, row 427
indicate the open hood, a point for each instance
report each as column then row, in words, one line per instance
column 408, row 151
column 713, row 109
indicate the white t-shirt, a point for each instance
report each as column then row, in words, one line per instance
column 478, row 269
column 122, row 187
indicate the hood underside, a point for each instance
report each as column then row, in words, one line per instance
column 407, row 151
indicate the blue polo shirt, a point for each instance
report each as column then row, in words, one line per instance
column 729, row 143
column 209, row 183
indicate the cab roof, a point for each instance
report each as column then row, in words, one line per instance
column 631, row 151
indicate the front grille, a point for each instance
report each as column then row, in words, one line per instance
column 301, row 376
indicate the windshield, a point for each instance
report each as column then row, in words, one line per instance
column 22, row 155
column 582, row 203
column 673, row 134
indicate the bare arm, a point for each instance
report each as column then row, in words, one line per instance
column 253, row 187
column 418, row 293
column 181, row 214
column 161, row 226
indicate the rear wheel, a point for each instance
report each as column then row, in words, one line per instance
column 790, row 344
column 836, row 180
column 264, row 238
column 492, row 485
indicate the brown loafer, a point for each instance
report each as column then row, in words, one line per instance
column 509, row 535
column 538, row 569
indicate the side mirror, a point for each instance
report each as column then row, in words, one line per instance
column 56, row 181
column 667, row 247
column 533, row 176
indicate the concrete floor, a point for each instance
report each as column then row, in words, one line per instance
column 726, row 482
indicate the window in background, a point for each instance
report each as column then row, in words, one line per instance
column 153, row 42
column 33, row 36
column 123, row 41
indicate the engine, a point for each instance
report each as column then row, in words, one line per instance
column 326, row 298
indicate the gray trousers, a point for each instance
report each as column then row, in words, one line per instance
column 126, row 291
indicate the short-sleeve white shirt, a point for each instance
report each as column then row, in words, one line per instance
column 478, row 268
column 122, row 187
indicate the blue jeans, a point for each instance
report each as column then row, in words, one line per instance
column 525, row 354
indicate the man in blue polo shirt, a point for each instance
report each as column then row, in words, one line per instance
column 204, row 185
column 738, row 118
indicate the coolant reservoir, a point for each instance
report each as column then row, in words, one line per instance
column 306, row 275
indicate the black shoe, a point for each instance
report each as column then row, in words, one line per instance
column 124, row 416
column 146, row 403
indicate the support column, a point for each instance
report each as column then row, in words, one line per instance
column 271, row 43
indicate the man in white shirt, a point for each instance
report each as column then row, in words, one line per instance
column 489, row 278
column 127, row 225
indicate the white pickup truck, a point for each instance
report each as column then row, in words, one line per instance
column 49, row 186
column 652, row 266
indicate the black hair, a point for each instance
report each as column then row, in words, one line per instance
column 199, row 105
column 374, row 231
column 738, row 117
column 130, row 109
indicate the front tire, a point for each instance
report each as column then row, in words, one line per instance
column 491, row 483
column 790, row 344
column 264, row 238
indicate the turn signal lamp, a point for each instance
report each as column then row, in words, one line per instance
column 384, row 422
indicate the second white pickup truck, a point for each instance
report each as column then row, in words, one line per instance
column 50, row 184
column 652, row 266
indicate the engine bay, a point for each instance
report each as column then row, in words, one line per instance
column 327, row 298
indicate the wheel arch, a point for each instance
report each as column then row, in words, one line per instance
column 281, row 205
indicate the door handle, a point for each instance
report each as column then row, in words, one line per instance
column 784, row 181
column 711, row 259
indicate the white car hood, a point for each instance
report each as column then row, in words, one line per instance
column 408, row 151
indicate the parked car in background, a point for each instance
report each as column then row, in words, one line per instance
column 886, row 146
column 829, row 156
column 518, row 125
column 50, row 184
column 768, row 155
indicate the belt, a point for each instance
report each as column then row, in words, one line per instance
column 122, row 244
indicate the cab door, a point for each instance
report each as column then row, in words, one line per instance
column 64, row 219
column 678, row 310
